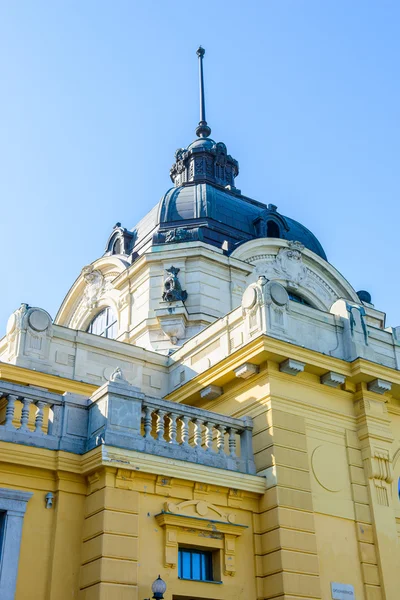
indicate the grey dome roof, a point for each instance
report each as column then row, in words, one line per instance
column 205, row 204
column 227, row 215
column 216, row 216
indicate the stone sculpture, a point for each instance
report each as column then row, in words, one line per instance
column 173, row 291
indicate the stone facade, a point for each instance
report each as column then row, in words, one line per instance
column 247, row 408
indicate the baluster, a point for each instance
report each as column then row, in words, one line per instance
column 39, row 416
column 209, row 436
column 148, row 422
column 185, row 430
column 172, row 427
column 26, row 402
column 197, row 432
column 232, row 442
column 160, row 425
column 11, row 400
column 221, row 439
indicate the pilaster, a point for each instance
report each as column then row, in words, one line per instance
column 375, row 438
column 69, row 501
column 286, row 548
column 110, row 540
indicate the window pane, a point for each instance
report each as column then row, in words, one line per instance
column 195, row 564
column 2, row 528
column 185, row 565
column 112, row 331
column 203, row 565
column 196, row 570
column 104, row 324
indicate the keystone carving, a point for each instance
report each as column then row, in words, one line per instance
column 289, row 263
column 94, row 286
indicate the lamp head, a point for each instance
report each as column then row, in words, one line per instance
column 159, row 588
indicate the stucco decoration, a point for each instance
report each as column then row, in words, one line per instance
column 94, row 280
column 29, row 332
column 118, row 376
column 298, row 269
column 189, row 520
column 93, row 290
column 288, row 264
column 200, row 508
column 380, row 470
column 328, row 464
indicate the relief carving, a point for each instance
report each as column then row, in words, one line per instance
column 94, row 280
column 381, row 472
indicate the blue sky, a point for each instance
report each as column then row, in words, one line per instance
column 97, row 96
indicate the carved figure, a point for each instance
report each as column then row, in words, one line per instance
column 289, row 263
column 177, row 235
column 173, row 291
column 94, row 285
column 118, row 376
column 221, row 154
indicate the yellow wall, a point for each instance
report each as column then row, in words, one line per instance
column 331, row 512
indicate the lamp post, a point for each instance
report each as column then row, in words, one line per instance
column 158, row 588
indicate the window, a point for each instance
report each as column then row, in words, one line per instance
column 12, row 510
column 273, row 229
column 104, row 324
column 117, row 246
column 298, row 299
column 2, row 528
column 195, row 564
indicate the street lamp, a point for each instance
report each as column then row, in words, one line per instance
column 158, row 588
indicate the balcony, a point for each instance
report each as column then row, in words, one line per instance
column 119, row 415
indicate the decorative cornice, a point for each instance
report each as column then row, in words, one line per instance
column 178, row 520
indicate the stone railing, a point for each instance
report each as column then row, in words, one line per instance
column 118, row 414
column 36, row 417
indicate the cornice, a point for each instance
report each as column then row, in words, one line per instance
column 53, row 383
column 166, row 519
column 141, row 462
column 264, row 348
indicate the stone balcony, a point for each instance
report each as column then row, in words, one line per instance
column 120, row 415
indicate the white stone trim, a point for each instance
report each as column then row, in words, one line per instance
column 13, row 502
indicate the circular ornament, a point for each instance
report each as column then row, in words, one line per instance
column 249, row 298
column 38, row 320
column 11, row 323
column 328, row 468
column 278, row 294
column 202, row 508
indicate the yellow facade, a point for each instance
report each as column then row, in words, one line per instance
column 323, row 508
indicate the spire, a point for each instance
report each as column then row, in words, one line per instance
column 203, row 130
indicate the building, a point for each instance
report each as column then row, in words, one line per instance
column 213, row 403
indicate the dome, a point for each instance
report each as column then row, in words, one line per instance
column 218, row 216
column 205, row 205
column 215, row 215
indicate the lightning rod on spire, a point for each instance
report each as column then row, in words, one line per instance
column 203, row 130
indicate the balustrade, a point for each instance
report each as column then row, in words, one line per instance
column 36, row 417
column 131, row 420
column 197, row 435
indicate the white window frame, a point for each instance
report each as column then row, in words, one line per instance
column 13, row 503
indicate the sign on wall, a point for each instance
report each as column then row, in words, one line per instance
column 342, row 591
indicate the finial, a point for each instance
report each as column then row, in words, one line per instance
column 203, row 130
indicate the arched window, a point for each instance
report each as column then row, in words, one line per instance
column 273, row 229
column 117, row 246
column 298, row 299
column 104, row 324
